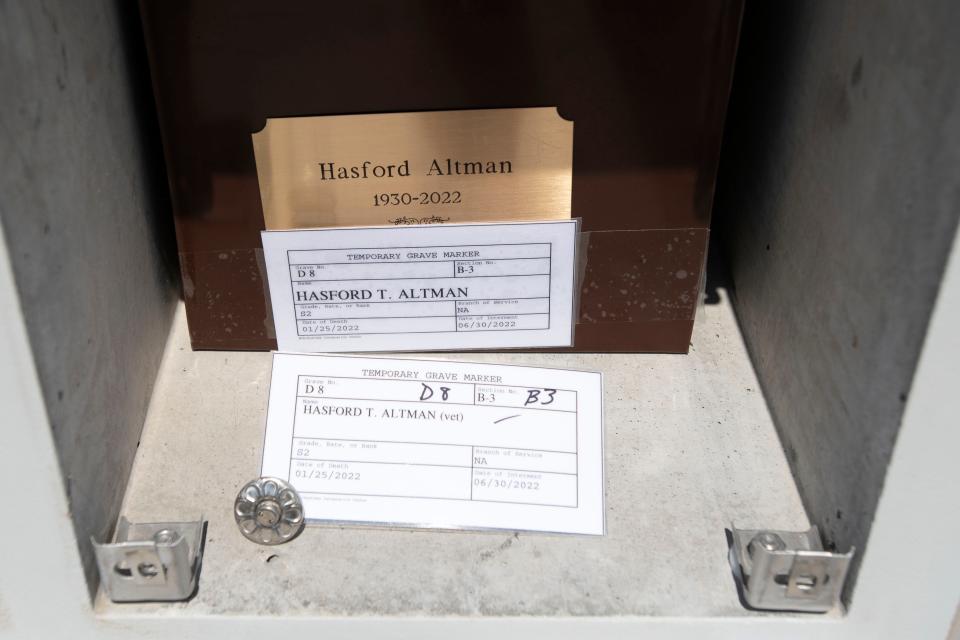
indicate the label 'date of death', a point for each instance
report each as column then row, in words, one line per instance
column 415, row 168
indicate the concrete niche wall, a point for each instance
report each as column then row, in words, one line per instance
column 839, row 196
column 87, row 224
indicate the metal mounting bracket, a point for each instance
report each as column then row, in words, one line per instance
column 151, row 562
column 787, row 570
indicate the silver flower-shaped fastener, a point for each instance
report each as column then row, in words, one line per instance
column 269, row 511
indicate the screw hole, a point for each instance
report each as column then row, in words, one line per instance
column 806, row 583
column 122, row 571
column 802, row 582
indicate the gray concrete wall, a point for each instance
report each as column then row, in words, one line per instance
column 88, row 229
column 840, row 193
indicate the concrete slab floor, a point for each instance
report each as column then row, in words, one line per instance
column 690, row 447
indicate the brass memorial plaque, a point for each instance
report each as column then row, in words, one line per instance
column 415, row 168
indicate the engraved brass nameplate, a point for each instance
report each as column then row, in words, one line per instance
column 415, row 168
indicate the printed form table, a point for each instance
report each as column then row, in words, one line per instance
column 438, row 289
column 462, row 441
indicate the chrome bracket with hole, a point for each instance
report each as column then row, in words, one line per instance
column 787, row 570
column 151, row 562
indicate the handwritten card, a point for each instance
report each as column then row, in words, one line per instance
column 437, row 443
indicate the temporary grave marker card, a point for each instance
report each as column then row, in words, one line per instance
column 438, row 443
column 423, row 287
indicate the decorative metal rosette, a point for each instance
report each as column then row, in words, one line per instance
column 269, row 511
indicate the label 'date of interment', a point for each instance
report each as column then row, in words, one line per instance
column 423, row 287
column 443, row 444
column 415, row 168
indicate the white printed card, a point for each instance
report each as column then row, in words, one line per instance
column 438, row 443
column 423, row 287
